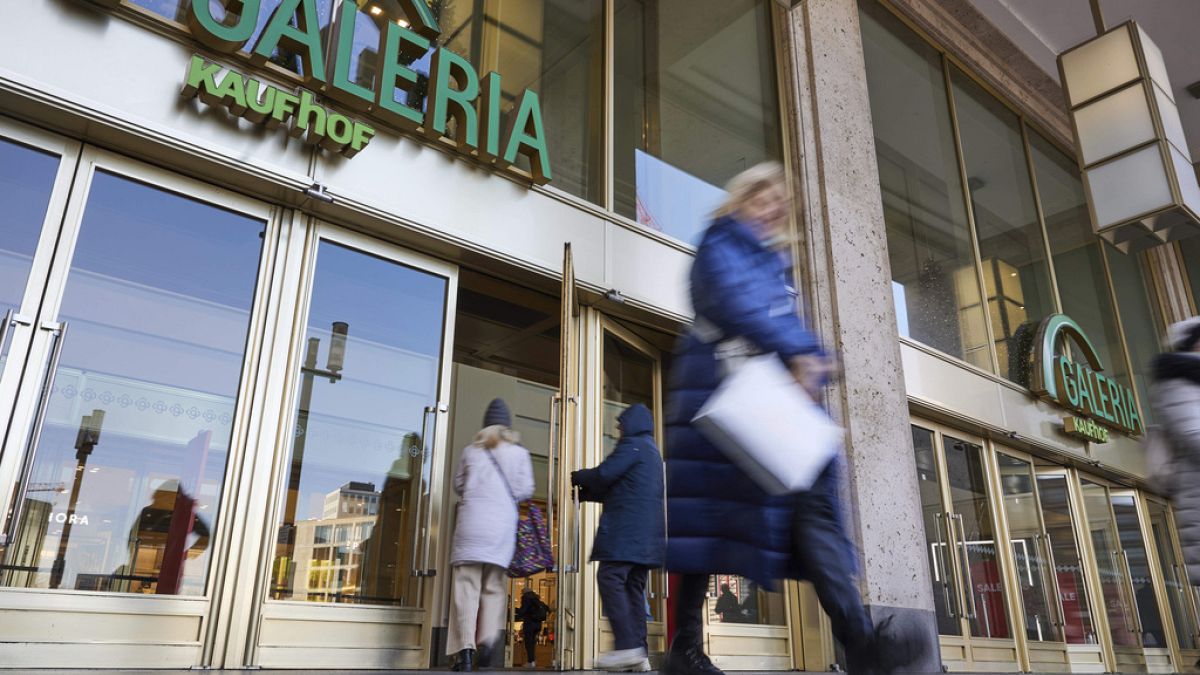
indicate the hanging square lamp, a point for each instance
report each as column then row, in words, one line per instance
column 1141, row 187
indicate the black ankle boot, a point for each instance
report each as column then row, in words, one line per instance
column 464, row 661
column 687, row 657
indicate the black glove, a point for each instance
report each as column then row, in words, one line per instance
column 575, row 482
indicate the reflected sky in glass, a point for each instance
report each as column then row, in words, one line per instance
column 26, row 180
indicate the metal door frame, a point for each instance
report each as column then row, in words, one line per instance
column 1179, row 656
column 964, row 641
column 296, row 274
column 55, row 256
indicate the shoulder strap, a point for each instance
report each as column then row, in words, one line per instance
column 503, row 478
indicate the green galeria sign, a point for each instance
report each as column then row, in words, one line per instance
column 455, row 89
column 1078, row 385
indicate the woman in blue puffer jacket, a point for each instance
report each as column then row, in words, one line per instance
column 720, row 521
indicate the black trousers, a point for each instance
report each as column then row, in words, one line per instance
column 623, row 592
column 824, row 556
column 529, row 634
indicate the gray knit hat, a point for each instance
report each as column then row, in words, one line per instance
column 497, row 413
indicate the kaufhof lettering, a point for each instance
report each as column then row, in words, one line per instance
column 456, row 91
column 269, row 105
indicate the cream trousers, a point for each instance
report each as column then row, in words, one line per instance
column 478, row 604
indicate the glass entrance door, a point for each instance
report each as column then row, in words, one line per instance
column 136, row 321
column 1119, row 549
column 354, row 547
column 1053, row 599
column 960, row 529
column 565, row 457
column 1180, row 598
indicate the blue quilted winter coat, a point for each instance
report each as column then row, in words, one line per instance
column 718, row 520
column 629, row 482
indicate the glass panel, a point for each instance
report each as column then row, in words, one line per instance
column 1055, row 499
column 695, row 103
column 941, row 561
column 735, row 599
column 127, row 475
column 371, row 365
column 935, row 285
column 1138, row 568
column 1016, row 279
column 1114, row 584
column 1082, row 284
column 969, row 500
column 26, row 180
column 179, row 10
column 1190, row 251
column 1178, row 592
column 1034, row 566
column 552, row 47
column 629, row 378
column 1140, row 318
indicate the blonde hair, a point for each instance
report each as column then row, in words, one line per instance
column 490, row 437
column 748, row 183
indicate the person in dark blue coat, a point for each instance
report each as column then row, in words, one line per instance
column 720, row 521
column 631, row 539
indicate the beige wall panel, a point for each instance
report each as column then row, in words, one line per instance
column 1037, row 419
column 748, row 645
column 130, row 77
column 947, row 385
column 27, row 655
column 466, row 203
column 1122, row 452
column 320, row 657
column 65, row 626
column 644, row 269
column 339, row 634
column 994, row 654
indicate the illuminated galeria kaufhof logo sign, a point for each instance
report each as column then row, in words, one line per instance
column 456, row 91
column 1075, row 382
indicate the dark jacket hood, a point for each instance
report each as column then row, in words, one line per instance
column 1177, row 366
column 636, row 420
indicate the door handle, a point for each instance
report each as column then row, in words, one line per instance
column 576, row 557
column 1054, row 587
column 1128, row 589
column 423, row 518
column 966, row 567
column 941, row 557
column 551, row 461
column 11, row 318
column 16, row 510
column 1137, row 610
column 427, row 566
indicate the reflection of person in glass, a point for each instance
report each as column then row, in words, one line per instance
column 728, row 606
column 749, row 608
column 720, row 521
column 160, row 536
column 492, row 478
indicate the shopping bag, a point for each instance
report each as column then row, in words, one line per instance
column 533, row 553
column 768, row 426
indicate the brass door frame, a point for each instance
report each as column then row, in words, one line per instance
column 972, row 646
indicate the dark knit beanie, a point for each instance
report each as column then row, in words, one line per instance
column 497, row 413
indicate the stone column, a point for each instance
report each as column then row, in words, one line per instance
column 845, row 259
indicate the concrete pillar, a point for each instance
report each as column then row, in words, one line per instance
column 845, row 260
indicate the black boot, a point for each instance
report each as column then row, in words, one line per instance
column 686, row 657
column 896, row 647
column 464, row 661
column 490, row 654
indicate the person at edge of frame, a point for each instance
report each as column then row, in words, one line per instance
column 631, row 538
column 1176, row 399
column 719, row 520
column 493, row 476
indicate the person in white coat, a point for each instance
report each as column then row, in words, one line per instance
column 492, row 478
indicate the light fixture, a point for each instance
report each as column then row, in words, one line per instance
column 1141, row 187
column 317, row 191
column 402, row 23
column 376, row 10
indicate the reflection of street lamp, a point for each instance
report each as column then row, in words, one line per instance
column 334, row 363
column 85, row 441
